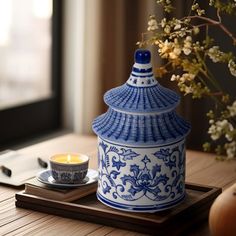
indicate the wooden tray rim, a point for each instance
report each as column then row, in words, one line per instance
column 207, row 192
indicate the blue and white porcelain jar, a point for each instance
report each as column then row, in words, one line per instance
column 141, row 144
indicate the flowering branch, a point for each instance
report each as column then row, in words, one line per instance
column 176, row 44
column 216, row 23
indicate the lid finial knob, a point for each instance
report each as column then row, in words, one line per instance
column 142, row 56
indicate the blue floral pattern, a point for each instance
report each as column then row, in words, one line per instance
column 66, row 176
column 127, row 174
column 145, row 180
column 174, row 158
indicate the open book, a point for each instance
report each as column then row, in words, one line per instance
column 22, row 167
column 34, row 187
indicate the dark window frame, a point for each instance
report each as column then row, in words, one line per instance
column 22, row 123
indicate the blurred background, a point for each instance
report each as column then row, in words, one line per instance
column 58, row 58
column 25, row 52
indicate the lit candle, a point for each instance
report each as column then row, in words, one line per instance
column 70, row 158
column 69, row 167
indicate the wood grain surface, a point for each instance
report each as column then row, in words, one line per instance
column 202, row 168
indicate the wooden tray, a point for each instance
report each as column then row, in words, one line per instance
column 195, row 208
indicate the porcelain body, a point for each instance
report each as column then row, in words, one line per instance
column 141, row 179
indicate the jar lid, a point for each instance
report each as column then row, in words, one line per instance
column 141, row 112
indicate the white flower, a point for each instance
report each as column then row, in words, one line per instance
column 230, row 149
column 178, row 26
column 175, row 53
column 232, row 67
column 187, row 90
column 215, row 134
column 229, row 136
column 163, row 22
column 188, row 39
column 225, row 124
column 182, row 79
column 211, row 2
column 176, row 50
column 152, row 25
column 187, row 77
column 186, row 51
column 169, row 49
column 174, row 77
column 217, row 129
column 214, row 53
column 211, row 121
column 165, row 48
column 232, row 109
column 182, row 33
column 200, row 12
column 196, row 30
column 187, row 45
column 190, row 76
column 195, row 6
column 167, row 29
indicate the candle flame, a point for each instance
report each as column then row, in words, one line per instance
column 68, row 158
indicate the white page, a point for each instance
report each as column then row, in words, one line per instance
column 23, row 167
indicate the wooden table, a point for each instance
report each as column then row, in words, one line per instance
column 202, row 168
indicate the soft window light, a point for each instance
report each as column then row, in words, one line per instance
column 42, row 8
column 5, row 21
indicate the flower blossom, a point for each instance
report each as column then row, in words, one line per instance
column 232, row 67
column 232, row 109
column 175, row 77
column 184, row 78
column 187, row 45
column 196, row 30
column 230, row 149
column 152, row 25
column 218, row 56
column 163, row 22
column 164, row 48
column 213, row 53
column 169, row 49
column 175, row 53
column 217, row 129
column 177, row 26
column 167, row 29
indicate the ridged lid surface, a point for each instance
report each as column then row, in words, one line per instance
column 141, row 99
column 147, row 130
